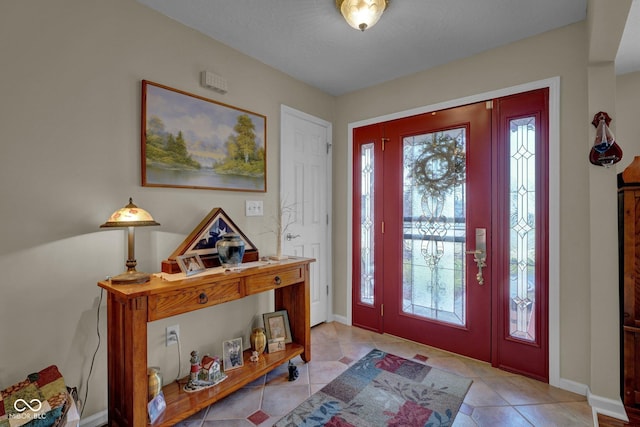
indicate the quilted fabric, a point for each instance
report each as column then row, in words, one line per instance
column 38, row 401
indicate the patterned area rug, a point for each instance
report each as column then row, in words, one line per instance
column 382, row 389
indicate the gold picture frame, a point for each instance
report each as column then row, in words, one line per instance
column 189, row 141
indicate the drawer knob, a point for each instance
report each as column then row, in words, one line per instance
column 203, row 298
column 277, row 280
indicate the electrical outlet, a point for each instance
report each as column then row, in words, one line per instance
column 173, row 333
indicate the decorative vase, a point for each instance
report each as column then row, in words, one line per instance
column 155, row 382
column 258, row 340
column 230, row 249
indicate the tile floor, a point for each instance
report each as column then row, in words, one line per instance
column 496, row 398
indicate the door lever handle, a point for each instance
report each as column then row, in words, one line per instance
column 480, row 254
column 480, row 257
column 292, row 236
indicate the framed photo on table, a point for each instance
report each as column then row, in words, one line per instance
column 276, row 326
column 232, row 354
column 191, row 264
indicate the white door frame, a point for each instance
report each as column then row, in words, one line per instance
column 285, row 110
column 554, row 204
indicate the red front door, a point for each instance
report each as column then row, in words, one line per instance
column 439, row 195
column 449, row 231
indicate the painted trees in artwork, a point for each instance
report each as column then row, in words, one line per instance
column 240, row 155
column 244, row 156
column 166, row 148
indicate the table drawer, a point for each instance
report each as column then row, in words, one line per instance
column 264, row 282
column 190, row 299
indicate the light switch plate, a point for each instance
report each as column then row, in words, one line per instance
column 253, row 208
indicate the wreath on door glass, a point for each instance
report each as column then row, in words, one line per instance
column 440, row 166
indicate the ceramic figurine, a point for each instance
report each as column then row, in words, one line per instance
column 210, row 368
column 195, row 366
column 293, row 371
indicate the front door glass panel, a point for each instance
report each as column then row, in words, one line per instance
column 434, row 236
column 367, row 234
column 522, row 260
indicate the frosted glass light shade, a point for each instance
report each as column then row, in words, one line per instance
column 130, row 216
column 361, row 14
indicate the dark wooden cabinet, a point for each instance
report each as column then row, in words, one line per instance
column 629, row 258
column 131, row 307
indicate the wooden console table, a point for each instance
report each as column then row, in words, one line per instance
column 131, row 307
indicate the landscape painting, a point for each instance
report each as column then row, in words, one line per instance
column 193, row 142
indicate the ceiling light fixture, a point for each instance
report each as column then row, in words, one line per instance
column 362, row 14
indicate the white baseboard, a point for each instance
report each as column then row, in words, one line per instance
column 572, row 386
column 95, row 420
column 341, row 319
column 599, row 405
column 605, row 406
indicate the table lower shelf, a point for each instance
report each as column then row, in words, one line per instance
column 181, row 405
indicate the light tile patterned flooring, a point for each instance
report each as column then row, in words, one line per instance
column 496, row 398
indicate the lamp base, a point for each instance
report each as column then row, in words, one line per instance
column 130, row 278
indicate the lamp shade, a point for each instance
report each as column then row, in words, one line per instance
column 130, row 216
column 361, row 14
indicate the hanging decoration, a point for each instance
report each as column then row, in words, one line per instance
column 605, row 151
column 441, row 165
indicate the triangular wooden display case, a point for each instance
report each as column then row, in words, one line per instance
column 202, row 241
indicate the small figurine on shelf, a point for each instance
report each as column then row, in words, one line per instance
column 210, row 368
column 216, row 373
column 255, row 356
column 293, row 371
column 195, row 366
column 204, row 374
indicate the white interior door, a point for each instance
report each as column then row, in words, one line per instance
column 305, row 183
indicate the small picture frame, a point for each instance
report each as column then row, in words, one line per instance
column 191, row 264
column 156, row 406
column 276, row 344
column 276, row 326
column 232, row 357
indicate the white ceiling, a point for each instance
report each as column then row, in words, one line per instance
column 310, row 41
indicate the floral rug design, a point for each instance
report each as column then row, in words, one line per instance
column 382, row 389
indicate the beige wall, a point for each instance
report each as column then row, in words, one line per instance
column 627, row 130
column 70, row 138
column 69, row 123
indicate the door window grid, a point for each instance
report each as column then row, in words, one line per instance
column 522, row 251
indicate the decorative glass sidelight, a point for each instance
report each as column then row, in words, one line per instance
column 366, row 225
column 522, row 251
column 434, row 235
